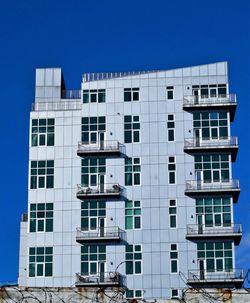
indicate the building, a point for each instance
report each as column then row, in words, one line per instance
column 130, row 182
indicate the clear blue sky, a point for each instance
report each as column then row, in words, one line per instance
column 111, row 35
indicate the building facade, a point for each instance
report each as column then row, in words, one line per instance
column 131, row 184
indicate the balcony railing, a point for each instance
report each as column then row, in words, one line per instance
column 71, row 94
column 201, row 231
column 100, row 234
column 101, row 192
column 211, row 142
column 234, row 276
column 102, row 279
column 100, row 148
column 209, row 100
column 61, row 105
column 211, row 187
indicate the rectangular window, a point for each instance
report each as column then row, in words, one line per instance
column 42, row 174
column 91, row 171
column 215, row 167
column 217, row 255
column 171, row 128
column 170, row 93
column 131, row 129
column 173, row 258
column 132, row 214
column 91, row 129
column 216, row 210
column 42, row 132
column 210, row 91
column 134, row 294
column 131, row 94
column 172, row 214
column 92, row 214
column 133, row 259
column 212, row 125
column 41, row 217
column 40, row 261
column 171, row 170
column 174, row 293
column 94, row 96
column 132, row 171
column 91, row 257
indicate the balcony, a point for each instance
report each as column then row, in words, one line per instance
column 194, row 103
column 102, row 234
column 212, row 188
column 215, row 279
column 103, row 191
column 101, row 149
column 225, row 144
column 206, row 231
column 107, row 279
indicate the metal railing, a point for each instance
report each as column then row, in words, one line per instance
column 110, row 278
column 102, row 146
column 210, row 229
column 209, row 99
column 211, row 185
column 211, row 142
column 101, row 232
column 106, row 188
column 61, row 105
column 71, row 94
column 212, row 275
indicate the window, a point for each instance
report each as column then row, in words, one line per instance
column 174, row 293
column 133, row 293
column 215, row 167
column 211, row 91
column 42, row 132
column 91, row 214
column 216, row 211
column 218, row 256
column 132, row 171
column 42, row 174
column 133, row 259
column 41, row 217
column 94, row 96
column 91, row 258
column 212, row 125
column 92, row 169
column 91, row 129
column 171, row 170
column 171, row 128
column 131, row 129
column 172, row 213
column 170, row 92
column 132, row 214
column 173, row 258
column 40, row 261
column 131, row 94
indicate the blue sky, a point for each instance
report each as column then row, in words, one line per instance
column 111, row 35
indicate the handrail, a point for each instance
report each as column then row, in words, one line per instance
column 210, row 184
column 209, row 99
column 102, row 232
column 210, row 275
column 71, row 94
column 102, row 145
column 210, row 229
column 98, row 278
column 60, row 105
column 107, row 188
column 210, row 142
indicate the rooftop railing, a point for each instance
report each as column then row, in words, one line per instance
column 211, row 142
column 71, row 94
column 209, row 100
column 210, row 229
column 105, row 278
column 100, row 233
column 215, row 276
column 57, row 106
column 212, row 185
